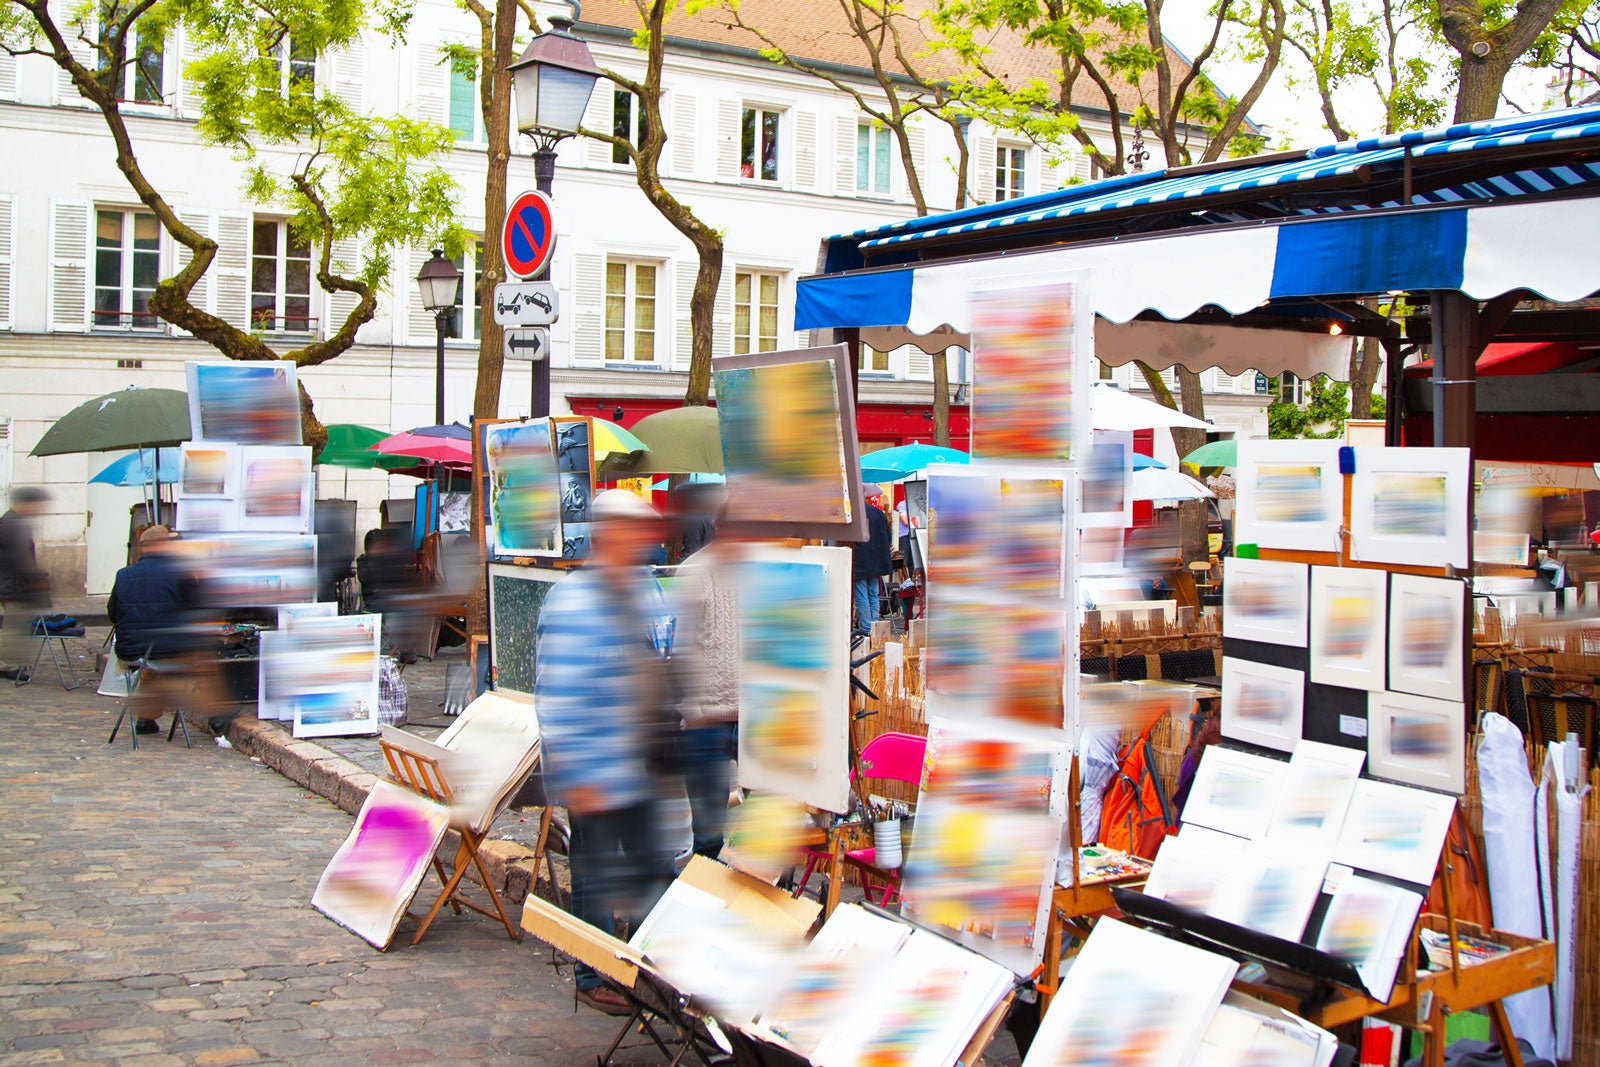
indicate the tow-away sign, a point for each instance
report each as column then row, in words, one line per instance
column 526, row 303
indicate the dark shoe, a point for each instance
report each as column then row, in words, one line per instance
column 603, row 998
column 15, row 674
column 219, row 723
column 147, row 726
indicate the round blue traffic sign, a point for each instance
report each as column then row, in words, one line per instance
column 529, row 235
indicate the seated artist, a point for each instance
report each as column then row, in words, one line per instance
column 155, row 607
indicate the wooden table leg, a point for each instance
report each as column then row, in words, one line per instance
column 1503, row 1035
column 836, row 870
column 1433, row 1041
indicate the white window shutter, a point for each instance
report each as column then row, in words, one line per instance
column 421, row 324
column 1083, row 166
column 188, row 88
column 67, row 93
column 589, row 304
column 1221, row 382
column 7, row 257
column 346, row 68
column 232, row 269
column 1049, row 173
column 805, row 150
column 346, row 261
column 844, row 155
column 918, row 139
column 69, row 265
column 728, row 140
column 8, row 76
column 684, row 118
column 201, row 295
column 802, row 339
column 433, row 86
column 983, row 170
column 683, row 350
column 919, row 365
column 597, row 117
column 722, row 316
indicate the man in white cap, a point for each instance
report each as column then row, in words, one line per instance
column 607, row 700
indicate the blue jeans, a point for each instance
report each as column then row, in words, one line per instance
column 705, row 756
column 866, row 598
column 619, row 866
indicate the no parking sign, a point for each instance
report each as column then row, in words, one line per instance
column 529, row 235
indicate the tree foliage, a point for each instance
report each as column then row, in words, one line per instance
column 336, row 173
column 1322, row 417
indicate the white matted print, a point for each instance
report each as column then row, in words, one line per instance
column 275, row 489
column 369, row 882
column 1409, row 506
column 1264, row 600
column 207, row 470
column 1234, row 792
column 1395, row 830
column 1428, row 636
column 1107, row 485
column 1348, row 622
column 1262, row 704
column 1290, row 494
column 1417, row 740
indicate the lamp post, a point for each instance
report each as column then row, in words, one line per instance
column 440, row 283
column 553, row 79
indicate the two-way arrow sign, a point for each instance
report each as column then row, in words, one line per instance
column 527, row 343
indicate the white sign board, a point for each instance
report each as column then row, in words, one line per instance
column 527, row 343
column 526, row 303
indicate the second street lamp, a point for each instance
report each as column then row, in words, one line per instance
column 440, row 283
column 553, row 79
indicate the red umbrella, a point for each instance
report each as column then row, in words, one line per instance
column 436, row 449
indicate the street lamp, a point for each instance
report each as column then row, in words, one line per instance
column 440, row 283
column 553, row 79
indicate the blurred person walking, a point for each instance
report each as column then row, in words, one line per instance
column 24, row 588
column 155, row 608
column 608, row 714
column 871, row 560
column 707, row 649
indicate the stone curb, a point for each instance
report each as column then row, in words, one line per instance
column 346, row 784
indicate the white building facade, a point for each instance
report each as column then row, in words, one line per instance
column 774, row 159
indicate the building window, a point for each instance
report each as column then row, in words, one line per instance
column 1107, row 371
column 1010, row 168
column 1292, row 389
column 758, row 144
column 466, row 118
column 873, row 361
column 872, row 159
column 631, row 312
column 625, row 120
column 755, row 312
column 294, row 64
column 280, row 279
column 466, row 320
column 127, row 266
column 140, row 78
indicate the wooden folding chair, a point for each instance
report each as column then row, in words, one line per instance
column 423, row 775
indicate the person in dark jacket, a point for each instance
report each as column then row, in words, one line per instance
column 871, row 560
column 155, row 608
column 24, row 588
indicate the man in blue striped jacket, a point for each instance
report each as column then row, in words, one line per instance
column 607, row 708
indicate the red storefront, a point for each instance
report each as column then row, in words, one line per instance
column 877, row 425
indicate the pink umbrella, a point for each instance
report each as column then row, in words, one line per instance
column 449, row 450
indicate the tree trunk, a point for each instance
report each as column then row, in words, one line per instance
column 494, row 82
column 1478, row 91
column 702, row 305
column 941, row 399
column 1366, row 359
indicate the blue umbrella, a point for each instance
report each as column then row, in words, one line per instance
column 138, row 468
column 697, row 478
column 902, row 461
column 1142, row 462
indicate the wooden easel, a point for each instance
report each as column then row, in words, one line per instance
column 423, row 775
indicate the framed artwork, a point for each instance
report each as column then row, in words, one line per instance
column 1409, row 506
column 1417, row 740
column 1289, row 494
column 1234, row 792
column 1315, row 797
column 1107, row 491
column 522, row 490
column 1265, row 600
column 259, row 570
column 327, row 670
column 1428, row 634
column 1262, row 704
column 1270, row 889
column 575, row 467
column 275, row 489
column 1032, row 339
column 207, row 516
column 1498, row 546
column 788, row 426
column 1395, row 830
column 370, row 881
column 207, row 471
column 250, row 403
column 1349, row 619
column 1367, row 924
column 794, row 673
column 516, row 595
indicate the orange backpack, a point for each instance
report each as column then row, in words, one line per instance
column 1135, row 814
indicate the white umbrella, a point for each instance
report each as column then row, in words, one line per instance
column 1117, row 410
column 1161, row 483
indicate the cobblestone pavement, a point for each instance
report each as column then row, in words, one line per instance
column 154, row 910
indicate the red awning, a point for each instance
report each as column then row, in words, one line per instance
column 1535, row 357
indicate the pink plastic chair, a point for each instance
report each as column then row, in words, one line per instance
column 892, row 756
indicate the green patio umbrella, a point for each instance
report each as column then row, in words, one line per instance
column 682, row 440
column 348, row 446
column 1215, row 454
column 131, row 418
